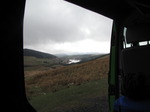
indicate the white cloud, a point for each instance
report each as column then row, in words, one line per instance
column 84, row 46
column 56, row 26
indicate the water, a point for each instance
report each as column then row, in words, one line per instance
column 73, row 61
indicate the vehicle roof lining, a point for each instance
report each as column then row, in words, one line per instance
column 124, row 11
column 114, row 9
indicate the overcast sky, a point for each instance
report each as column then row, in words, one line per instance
column 56, row 26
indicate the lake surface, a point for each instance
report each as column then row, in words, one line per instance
column 73, row 61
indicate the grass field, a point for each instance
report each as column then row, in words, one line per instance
column 88, row 97
column 75, row 88
column 32, row 63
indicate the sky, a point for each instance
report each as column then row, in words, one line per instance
column 56, row 26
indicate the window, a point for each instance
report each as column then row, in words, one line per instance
column 143, row 43
column 125, row 44
column 66, row 57
column 128, row 45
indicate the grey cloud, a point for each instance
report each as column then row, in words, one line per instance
column 55, row 24
column 56, row 21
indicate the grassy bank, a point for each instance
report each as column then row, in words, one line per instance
column 82, row 98
column 75, row 88
column 64, row 77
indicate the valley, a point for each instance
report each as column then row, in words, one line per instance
column 55, row 86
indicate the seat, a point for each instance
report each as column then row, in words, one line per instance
column 137, row 58
column 124, row 104
column 134, row 60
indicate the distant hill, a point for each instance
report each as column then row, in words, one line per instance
column 39, row 60
column 38, row 54
column 82, row 57
column 61, row 77
column 82, row 86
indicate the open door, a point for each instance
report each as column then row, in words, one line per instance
column 13, row 90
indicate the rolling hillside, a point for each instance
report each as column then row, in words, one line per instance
column 34, row 60
column 79, row 87
column 62, row 77
column 38, row 54
column 82, row 57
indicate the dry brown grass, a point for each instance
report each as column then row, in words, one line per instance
column 62, row 77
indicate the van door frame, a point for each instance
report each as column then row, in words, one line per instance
column 114, row 64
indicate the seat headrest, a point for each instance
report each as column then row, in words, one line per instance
column 136, row 59
column 138, row 33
